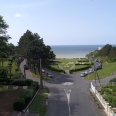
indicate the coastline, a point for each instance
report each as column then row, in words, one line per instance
column 69, row 56
column 73, row 51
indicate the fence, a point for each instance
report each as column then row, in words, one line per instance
column 106, row 106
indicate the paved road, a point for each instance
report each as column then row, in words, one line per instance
column 69, row 100
column 79, row 105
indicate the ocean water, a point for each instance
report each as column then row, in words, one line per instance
column 73, row 51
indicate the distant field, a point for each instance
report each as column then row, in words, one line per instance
column 66, row 64
column 107, row 69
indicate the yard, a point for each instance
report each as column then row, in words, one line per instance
column 6, row 101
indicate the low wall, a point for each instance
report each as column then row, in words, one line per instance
column 106, row 106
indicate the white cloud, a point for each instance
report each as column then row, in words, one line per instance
column 18, row 15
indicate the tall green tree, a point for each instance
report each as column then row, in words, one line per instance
column 4, row 49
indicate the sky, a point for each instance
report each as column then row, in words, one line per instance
column 62, row 22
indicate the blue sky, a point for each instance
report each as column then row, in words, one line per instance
column 62, row 22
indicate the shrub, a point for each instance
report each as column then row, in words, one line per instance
column 113, row 80
column 79, row 69
column 19, row 82
column 3, row 72
column 19, row 104
column 56, row 69
column 17, row 75
column 25, row 96
column 16, row 69
column 35, row 85
column 29, row 92
column 29, row 81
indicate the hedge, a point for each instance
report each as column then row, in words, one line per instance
column 25, row 96
column 113, row 80
column 19, row 104
column 35, row 85
column 29, row 81
column 29, row 92
column 85, row 63
column 56, row 69
column 19, row 82
column 79, row 69
column 22, row 101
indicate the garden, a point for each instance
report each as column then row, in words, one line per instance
column 73, row 65
column 108, row 92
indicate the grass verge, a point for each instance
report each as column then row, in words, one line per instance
column 107, row 70
column 38, row 106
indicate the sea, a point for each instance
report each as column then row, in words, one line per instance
column 74, row 51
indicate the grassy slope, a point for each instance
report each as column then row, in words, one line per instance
column 107, row 69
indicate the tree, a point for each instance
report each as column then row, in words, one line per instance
column 112, row 54
column 3, row 38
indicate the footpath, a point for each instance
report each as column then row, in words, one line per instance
column 28, row 76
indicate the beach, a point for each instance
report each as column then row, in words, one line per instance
column 73, row 51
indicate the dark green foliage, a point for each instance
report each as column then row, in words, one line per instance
column 29, row 81
column 5, row 48
column 85, row 63
column 107, row 53
column 16, row 69
column 17, row 75
column 3, row 72
column 79, row 69
column 22, row 82
column 29, row 92
column 35, row 85
column 19, row 104
column 19, row 82
column 25, row 96
column 56, row 69
column 23, row 100
column 113, row 80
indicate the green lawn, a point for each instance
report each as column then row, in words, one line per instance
column 66, row 64
column 107, row 69
column 14, row 66
column 38, row 106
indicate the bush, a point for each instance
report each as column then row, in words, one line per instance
column 35, row 85
column 113, row 80
column 25, row 96
column 19, row 104
column 29, row 81
column 29, row 92
column 19, row 82
column 17, row 75
column 79, row 69
column 16, row 69
column 3, row 79
column 3, row 72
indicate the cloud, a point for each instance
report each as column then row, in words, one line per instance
column 18, row 15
